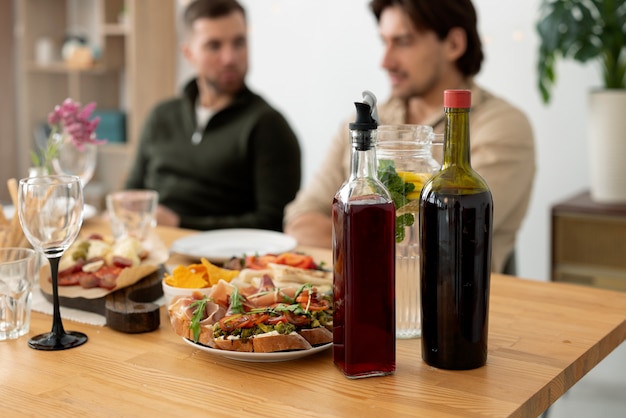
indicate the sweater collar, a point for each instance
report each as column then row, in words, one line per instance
column 191, row 93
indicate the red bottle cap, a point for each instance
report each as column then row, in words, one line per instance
column 457, row 98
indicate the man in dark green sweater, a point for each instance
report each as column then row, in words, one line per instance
column 220, row 156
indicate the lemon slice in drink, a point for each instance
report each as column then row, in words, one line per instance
column 412, row 207
column 418, row 180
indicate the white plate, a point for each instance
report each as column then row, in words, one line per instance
column 88, row 211
column 259, row 357
column 8, row 210
column 222, row 244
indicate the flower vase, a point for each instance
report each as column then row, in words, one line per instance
column 37, row 171
column 75, row 159
column 607, row 145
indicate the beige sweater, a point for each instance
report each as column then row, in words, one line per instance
column 502, row 152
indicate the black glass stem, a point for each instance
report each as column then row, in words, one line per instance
column 58, row 338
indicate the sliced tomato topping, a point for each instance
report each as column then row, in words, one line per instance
column 232, row 322
column 316, row 305
column 296, row 260
column 259, row 262
column 235, row 321
column 310, row 302
column 260, row 318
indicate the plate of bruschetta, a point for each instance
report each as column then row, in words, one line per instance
column 262, row 315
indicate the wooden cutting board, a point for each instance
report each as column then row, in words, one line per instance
column 130, row 309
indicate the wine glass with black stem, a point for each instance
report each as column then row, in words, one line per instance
column 50, row 210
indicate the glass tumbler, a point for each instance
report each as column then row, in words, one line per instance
column 406, row 152
column 18, row 273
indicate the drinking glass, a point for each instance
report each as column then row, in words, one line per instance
column 132, row 213
column 18, row 269
column 76, row 162
column 50, row 210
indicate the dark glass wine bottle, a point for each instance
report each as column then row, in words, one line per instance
column 455, row 222
column 364, row 335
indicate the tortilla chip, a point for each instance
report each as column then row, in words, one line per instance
column 197, row 276
column 215, row 273
column 191, row 277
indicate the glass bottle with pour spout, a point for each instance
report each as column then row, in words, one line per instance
column 364, row 260
column 405, row 163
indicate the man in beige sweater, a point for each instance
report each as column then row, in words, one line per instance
column 430, row 47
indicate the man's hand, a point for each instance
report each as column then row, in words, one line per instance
column 166, row 216
column 312, row 229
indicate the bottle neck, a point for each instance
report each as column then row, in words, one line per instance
column 456, row 151
column 363, row 163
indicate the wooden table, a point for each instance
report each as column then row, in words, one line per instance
column 543, row 338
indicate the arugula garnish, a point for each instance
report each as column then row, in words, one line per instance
column 293, row 308
column 236, row 301
column 321, row 266
column 398, row 189
column 309, row 287
column 197, row 316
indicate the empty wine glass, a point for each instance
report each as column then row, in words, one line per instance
column 50, row 210
column 75, row 161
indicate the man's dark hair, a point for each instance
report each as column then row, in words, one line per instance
column 440, row 16
column 210, row 9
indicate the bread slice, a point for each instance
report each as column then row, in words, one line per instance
column 317, row 336
column 234, row 344
column 206, row 335
column 181, row 323
column 273, row 341
column 179, row 317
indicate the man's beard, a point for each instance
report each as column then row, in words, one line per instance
column 423, row 89
column 220, row 88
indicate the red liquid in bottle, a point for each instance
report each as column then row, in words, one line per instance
column 364, row 287
column 456, row 231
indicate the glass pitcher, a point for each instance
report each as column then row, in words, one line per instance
column 405, row 163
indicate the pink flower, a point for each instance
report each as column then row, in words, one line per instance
column 74, row 121
column 68, row 118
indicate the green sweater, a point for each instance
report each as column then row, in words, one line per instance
column 241, row 175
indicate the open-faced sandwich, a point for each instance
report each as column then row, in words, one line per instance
column 97, row 262
column 285, row 269
column 263, row 318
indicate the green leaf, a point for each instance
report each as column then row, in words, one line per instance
column 402, row 221
column 236, row 301
column 584, row 31
column 398, row 190
column 586, row 52
column 197, row 317
column 34, row 157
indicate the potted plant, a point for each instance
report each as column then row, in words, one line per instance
column 592, row 30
